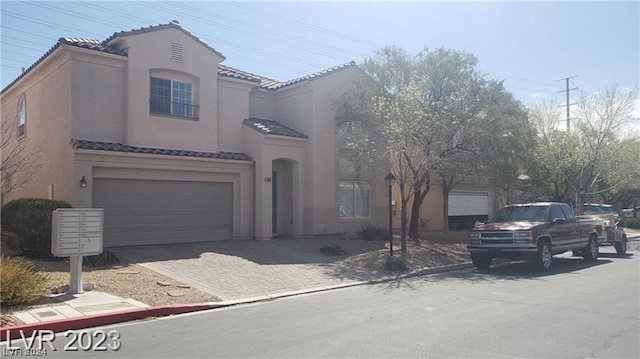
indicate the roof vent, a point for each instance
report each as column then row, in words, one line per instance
column 175, row 22
column 176, row 52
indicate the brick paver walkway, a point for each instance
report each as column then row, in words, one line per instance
column 243, row 269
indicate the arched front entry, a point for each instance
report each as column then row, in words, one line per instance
column 282, row 197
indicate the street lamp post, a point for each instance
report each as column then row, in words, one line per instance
column 389, row 180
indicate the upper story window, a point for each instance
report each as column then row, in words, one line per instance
column 352, row 166
column 354, row 188
column 22, row 115
column 172, row 98
column 352, row 134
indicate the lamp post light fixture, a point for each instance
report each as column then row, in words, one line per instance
column 83, row 182
column 390, row 179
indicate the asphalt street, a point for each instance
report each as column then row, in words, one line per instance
column 577, row 310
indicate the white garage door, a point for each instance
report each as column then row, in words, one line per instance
column 159, row 212
column 468, row 203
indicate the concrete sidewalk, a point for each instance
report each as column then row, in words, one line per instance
column 77, row 306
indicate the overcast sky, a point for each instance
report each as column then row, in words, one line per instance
column 531, row 45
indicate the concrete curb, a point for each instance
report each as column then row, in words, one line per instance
column 161, row 311
column 101, row 319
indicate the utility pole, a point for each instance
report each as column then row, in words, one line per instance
column 566, row 79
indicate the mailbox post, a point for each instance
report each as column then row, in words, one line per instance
column 76, row 233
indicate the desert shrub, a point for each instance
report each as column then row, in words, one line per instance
column 21, row 282
column 332, row 250
column 370, row 232
column 395, row 264
column 105, row 258
column 30, row 220
column 630, row 222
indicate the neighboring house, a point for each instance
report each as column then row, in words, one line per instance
column 177, row 147
column 467, row 204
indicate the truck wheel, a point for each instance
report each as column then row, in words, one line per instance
column 590, row 252
column 621, row 247
column 480, row 261
column 544, row 258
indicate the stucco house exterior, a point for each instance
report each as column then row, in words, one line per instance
column 150, row 125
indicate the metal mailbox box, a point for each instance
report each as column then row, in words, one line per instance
column 77, row 232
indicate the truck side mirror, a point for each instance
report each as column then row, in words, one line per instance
column 559, row 221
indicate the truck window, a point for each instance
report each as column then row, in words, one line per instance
column 568, row 212
column 556, row 212
column 522, row 213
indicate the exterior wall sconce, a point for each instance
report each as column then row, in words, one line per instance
column 83, row 182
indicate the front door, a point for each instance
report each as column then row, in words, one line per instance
column 274, row 202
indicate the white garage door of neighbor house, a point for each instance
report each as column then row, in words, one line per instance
column 160, row 212
column 468, row 203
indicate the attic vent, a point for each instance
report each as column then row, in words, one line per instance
column 176, row 52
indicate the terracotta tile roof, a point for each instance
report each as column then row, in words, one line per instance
column 83, row 43
column 119, row 147
column 92, row 45
column 271, row 127
column 104, row 45
column 271, row 84
column 279, row 85
column 223, row 70
column 172, row 25
column 227, row 71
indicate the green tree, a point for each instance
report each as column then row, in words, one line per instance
column 424, row 114
column 597, row 156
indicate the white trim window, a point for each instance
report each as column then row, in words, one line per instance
column 22, row 115
column 355, row 199
column 172, row 98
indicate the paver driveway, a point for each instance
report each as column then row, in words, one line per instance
column 244, row 268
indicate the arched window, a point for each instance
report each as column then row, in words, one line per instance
column 22, row 115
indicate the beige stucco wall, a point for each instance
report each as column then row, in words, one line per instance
column 98, row 89
column 150, row 53
column 46, row 89
column 100, row 164
column 265, row 149
column 233, row 108
column 324, row 164
column 262, row 104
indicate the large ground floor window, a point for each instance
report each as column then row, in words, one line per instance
column 355, row 199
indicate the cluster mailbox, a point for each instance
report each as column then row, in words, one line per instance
column 77, row 232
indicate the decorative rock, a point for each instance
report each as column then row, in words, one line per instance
column 115, row 266
column 87, row 287
column 128, row 272
column 175, row 293
column 184, row 286
column 60, row 289
column 164, row 284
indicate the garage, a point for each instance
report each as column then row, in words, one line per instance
column 140, row 212
column 465, row 208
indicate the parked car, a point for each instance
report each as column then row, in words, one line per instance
column 533, row 231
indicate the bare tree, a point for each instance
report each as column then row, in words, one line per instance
column 19, row 160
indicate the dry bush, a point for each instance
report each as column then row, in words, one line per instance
column 21, row 282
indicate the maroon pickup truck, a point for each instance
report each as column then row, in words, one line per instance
column 533, row 231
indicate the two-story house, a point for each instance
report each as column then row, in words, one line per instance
column 177, row 147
